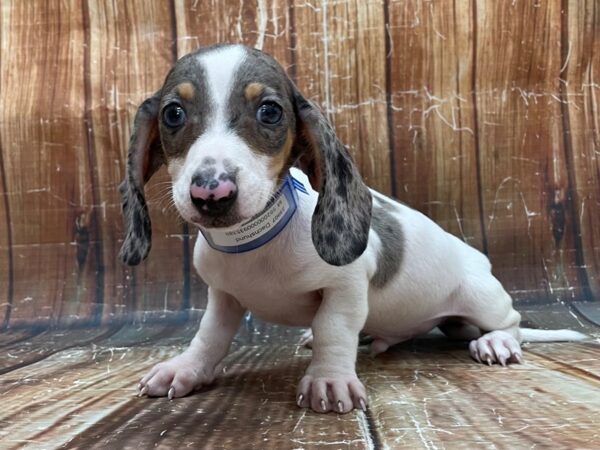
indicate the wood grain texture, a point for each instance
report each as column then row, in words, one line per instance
column 434, row 119
column 580, row 90
column 340, row 53
column 423, row 394
column 126, row 65
column 6, row 250
column 448, row 402
column 45, row 159
column 484, row 115
column 262, row 24
column 524, row 167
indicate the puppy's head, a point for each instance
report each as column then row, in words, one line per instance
column 228, row 123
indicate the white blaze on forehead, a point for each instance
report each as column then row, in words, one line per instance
column 220, row 66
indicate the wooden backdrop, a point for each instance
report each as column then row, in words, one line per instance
column 482, row 114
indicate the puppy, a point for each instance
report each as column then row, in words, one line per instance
column 289, row 231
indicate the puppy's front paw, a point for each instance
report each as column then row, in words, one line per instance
column 176, row 377
column 331, row 392
column 496, row 347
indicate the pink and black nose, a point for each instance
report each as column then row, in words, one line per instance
column 213, row 196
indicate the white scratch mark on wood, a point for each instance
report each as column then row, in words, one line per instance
column 166, row 298
column 576, row 318
column 318, row 444
column 453, row 124
column 459, row 222
column 492, row 216
column 363, row 426
column 262, row 24
column 299, row 422
column 529, row 214
column 547, row 276
column 435, row 30
column 238, row 25
column 427, row 443
column 389, row 33
column 566, row 63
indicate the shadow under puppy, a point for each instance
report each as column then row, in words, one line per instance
column 292, row 233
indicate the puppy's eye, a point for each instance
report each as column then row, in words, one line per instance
column 269, row 113
column 173, row 116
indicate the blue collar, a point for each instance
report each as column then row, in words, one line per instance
column 264, row 226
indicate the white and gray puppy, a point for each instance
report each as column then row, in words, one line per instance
column 245, row 150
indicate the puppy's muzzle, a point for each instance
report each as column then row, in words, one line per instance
column 213, row 196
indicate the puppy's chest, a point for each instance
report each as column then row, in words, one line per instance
column 276, row 289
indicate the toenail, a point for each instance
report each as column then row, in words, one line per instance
column 363, row 405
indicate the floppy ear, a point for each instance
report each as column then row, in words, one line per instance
column 342, row 217
column 145, row 157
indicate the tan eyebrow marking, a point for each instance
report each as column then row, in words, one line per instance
column 253, row 90
column 186, row 90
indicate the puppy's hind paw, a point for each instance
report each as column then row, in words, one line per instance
column 496, row 347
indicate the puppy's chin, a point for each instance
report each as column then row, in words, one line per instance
column 222, row 222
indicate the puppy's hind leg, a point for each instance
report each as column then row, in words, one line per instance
column 485, row 304
column 459, row 330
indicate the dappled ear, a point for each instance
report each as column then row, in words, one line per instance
column 145, row 157
column 342, row 217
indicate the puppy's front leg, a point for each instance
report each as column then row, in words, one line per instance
column 197, row 365
column 330, row 382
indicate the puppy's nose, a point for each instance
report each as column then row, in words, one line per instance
column 213, row 196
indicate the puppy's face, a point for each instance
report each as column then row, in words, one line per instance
column 228, row 124
column 227, row 127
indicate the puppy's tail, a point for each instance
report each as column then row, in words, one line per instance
column 533, row 335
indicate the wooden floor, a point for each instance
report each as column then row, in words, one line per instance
column 75, row 389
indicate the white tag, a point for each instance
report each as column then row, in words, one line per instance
column 254, row 229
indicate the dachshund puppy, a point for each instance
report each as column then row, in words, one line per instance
column 289, row 231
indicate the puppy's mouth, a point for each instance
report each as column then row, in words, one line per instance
column 232, row 219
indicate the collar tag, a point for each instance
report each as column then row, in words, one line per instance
column 263, row 227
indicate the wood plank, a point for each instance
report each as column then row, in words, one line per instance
column 340, row 52
column 589, row 310
column 434, row 118
column 555, row 316
column 88, row 402
column 580, row 90
column 14, row 336
column 580, row 359
column 231, row 21
column 129, row 57
column 262, row 24
column 6, row 257
column 43, row 144
column 524, row 173
column 424, row 393
column 428, row 397
column 24, row 352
